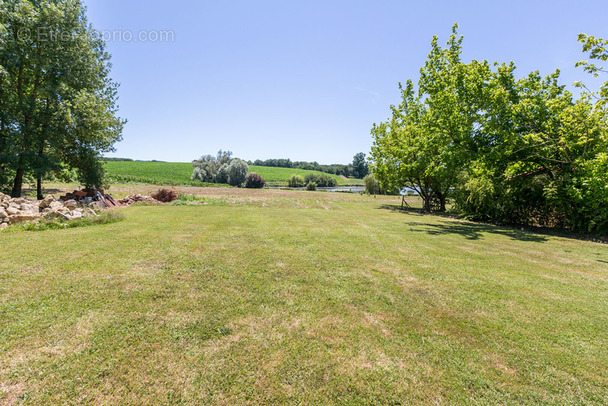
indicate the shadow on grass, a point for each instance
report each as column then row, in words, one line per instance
column 32, row 192
column 470, row 231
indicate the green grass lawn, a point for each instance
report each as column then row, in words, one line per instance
column 277, row 297
column 179, row 173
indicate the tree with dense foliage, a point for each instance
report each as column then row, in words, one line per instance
column 237, row 172
column 221, row 168
column 212, row 169
column 372, row 186
column 57, row 101
column 432, row 131
column 598, row 50
column 506, row 150
column 360, row 166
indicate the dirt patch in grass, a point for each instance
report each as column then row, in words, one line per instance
column 10, row 393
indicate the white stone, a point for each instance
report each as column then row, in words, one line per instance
column 56, row 205
column 29, row 208
column 22, row 217
column 12, row 210
column 46, row 202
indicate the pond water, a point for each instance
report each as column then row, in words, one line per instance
column 348, row 189
column 343, row 189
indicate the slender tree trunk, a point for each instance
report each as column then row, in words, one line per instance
column 18, row 183
column 39, row 175
column 39, row 188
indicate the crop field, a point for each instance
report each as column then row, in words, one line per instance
column 265, row 297
column 179, row 173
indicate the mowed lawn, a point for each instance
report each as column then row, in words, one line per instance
column 272, row 297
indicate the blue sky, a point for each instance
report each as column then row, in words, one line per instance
column 306, row 80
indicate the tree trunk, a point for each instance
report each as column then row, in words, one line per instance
column 39, row 188
column 427, row 203
column 442, row 201
column 18, row 184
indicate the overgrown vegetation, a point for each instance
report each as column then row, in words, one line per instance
column 505, row 150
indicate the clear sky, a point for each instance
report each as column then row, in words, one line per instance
column 306, row 80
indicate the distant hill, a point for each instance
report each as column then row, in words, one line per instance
column 179, row 173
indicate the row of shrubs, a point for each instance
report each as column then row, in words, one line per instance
column 312, row 179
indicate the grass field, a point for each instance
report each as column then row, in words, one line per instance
column 284, row 297
column 179, row 173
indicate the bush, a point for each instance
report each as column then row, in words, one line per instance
column 213, row 169
column 320, row 180
column 326, row 181
column 311, row 186
column 254, row 181
column 222, row 174
column 237, row 172
column 372, row 187
column 296, row 181
column 311, row 177
column 166, row 195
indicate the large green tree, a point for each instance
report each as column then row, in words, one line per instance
column 435, row 128
column 518, row 151
column 58, row 102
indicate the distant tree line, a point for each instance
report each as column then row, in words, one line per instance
column 358, row 169
column 517, row 151
column 106, row 159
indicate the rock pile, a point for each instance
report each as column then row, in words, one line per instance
column 14, row 211
column 131, row 199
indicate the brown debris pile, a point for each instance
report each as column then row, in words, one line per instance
column 97, row 197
